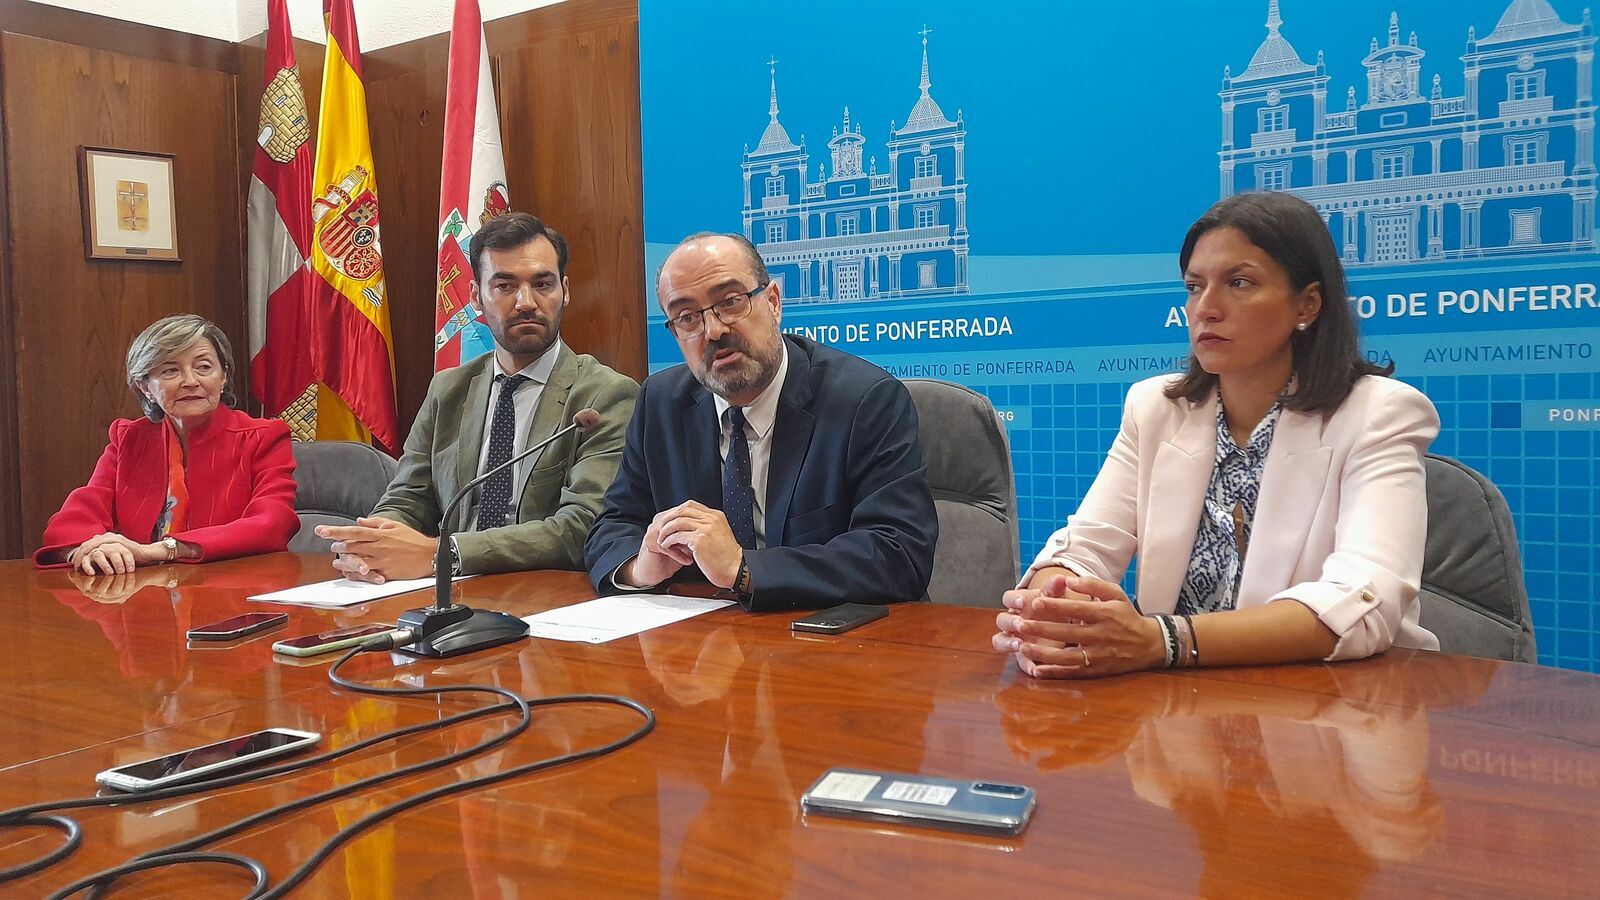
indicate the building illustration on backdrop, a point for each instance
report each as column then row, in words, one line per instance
column 1404, row 174
column 849, row 232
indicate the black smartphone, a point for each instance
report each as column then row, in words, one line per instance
column 238, row 626
column 841, row 618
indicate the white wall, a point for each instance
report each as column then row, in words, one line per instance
column 380, row 22
column 211, row 18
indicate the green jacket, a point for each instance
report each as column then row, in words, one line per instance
column 563, row 491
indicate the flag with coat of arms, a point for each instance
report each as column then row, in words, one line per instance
column 472, row 188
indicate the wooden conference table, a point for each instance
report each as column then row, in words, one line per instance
column 1410, row 774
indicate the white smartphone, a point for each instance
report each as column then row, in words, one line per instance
column 977, row 807
column 207, row 761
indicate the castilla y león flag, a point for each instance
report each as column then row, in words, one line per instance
column 472, row 188
column 281, row 330
column 355, row 356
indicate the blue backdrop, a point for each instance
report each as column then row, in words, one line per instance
column 995, row 196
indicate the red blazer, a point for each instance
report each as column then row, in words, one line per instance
column 240, row 474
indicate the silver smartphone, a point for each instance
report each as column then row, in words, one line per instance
column 207, row 761
column 979, row 807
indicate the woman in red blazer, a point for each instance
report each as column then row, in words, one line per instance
column 194, row 480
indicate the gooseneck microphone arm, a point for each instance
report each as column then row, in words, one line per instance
column 583, row 420
column 447, row 628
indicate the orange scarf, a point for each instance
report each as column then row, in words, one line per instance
column 175, row 513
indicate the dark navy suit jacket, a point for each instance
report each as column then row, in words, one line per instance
column 849, row 518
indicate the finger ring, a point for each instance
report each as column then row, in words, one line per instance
column 1085, row 653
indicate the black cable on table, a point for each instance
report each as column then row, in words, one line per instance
column 183, row 853
column 29, row 815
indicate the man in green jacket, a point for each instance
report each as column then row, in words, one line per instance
column 536, row 513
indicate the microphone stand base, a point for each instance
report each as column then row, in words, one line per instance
column 459, row 629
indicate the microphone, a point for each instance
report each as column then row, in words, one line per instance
column 447, row 628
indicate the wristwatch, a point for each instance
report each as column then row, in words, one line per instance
column 171, row 543
column 741, row 582
column 455, row 560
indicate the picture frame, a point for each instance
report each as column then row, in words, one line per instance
column 129, row 208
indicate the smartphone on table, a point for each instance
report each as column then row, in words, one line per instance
column 329, row 641
column 977, row 807
column 208, row 761
column 840, row 618
column 238, row 626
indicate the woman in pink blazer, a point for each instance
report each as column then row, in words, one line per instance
column 1273, row 493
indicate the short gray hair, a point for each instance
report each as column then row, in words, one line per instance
column 164, row 340
column 758, row 266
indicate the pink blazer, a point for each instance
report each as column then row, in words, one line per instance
column 1340, row 524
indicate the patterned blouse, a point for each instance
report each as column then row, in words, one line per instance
column 1220, row 542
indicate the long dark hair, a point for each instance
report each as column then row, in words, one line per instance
column 1326, row 358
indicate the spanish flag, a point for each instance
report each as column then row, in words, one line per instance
column 354, row 352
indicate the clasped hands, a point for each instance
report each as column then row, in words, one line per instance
column 380, row 550
column 690, row 533
column 110, row 553
column 1077, row 627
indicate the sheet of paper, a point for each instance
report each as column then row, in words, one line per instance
column 342, row 592
column 619, row 615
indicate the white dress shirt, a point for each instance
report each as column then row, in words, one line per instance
column 524, row 402
column 759, row 418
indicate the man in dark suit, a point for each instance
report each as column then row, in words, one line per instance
column 783, row 471
column 535, row 514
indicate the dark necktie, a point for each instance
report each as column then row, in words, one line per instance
column 502, row 435
column 738, row 500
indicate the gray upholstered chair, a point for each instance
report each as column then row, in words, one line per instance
column 969, row 470
column 335, row 482
column 1473, row 594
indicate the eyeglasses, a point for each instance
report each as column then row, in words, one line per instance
column 692, row 322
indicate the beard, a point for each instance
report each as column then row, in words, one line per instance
column 529, row 344
column 757, row 368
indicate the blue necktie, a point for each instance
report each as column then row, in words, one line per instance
column 738, row 500
column 502, row 435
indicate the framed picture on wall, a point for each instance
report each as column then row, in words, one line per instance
column 128, row 208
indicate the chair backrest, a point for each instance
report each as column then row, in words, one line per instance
column 1473, row 595
column 969, row 471
column 335, row 483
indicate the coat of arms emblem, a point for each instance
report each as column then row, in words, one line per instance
column 350, row 237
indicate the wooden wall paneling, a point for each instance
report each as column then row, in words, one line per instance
column 69, row 26
column 10, row 501
column 559, row 20
column 406, row 117
column 74, row 317
column 569, row 109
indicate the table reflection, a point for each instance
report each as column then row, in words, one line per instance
column 1327, row 774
